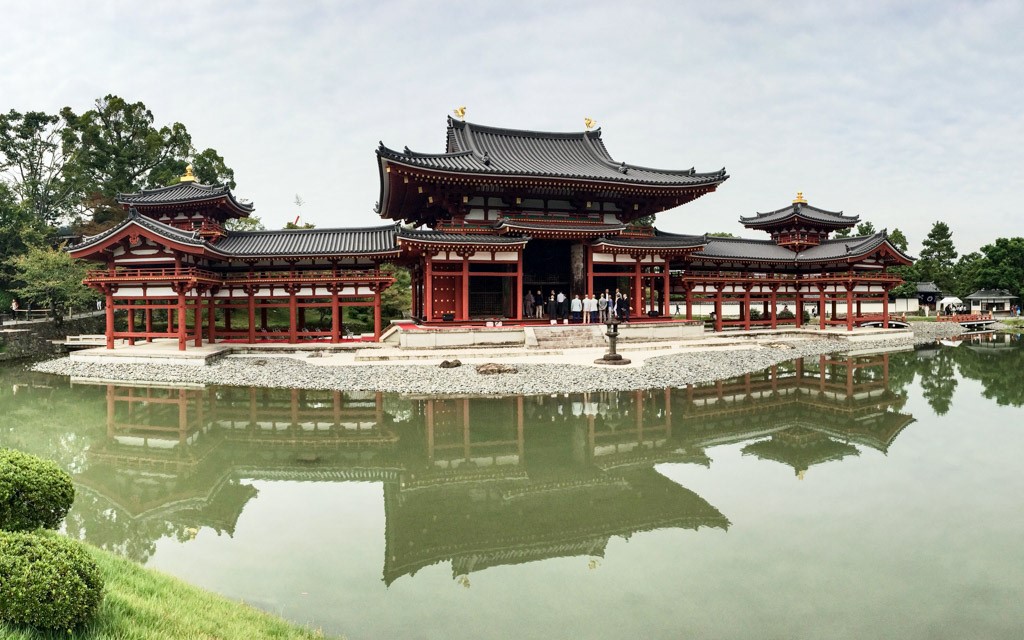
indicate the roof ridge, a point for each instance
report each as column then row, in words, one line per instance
column 535, row 133
column 313, row 230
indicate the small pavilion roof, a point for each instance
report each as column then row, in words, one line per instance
column 479, row 149
column 185, row 192
column 800, row 210
column 991, row 294
column 740, row 249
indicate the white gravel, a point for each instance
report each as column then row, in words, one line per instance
column 673, row 370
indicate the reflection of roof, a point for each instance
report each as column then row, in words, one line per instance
column 479, row 149
column 798, row 210
column 800, row 453
column 184, row 193
column 478, row 525
column 991, row 294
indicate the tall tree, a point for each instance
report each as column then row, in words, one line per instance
column 19, row 230
column 122, row 150
column 937, row 257
column 1003, row 267
column 865, row 228
column 843, row 233
column 52, row 278
column 898, row 240
column 34, row 162
column 967, row 273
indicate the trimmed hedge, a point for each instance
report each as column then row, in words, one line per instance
column 33, row 492
column 47, row 581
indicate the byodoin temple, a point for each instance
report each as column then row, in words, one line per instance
column 499, row 213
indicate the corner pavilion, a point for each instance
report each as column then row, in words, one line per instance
column 498, row 213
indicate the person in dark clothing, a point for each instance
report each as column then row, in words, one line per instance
column 538, row 303
column 552, row 307
column 623, row 308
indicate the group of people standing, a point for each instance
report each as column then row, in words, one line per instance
column 558, row 307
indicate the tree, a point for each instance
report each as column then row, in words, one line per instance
column 865, row 229
column 898, row 240
column 721, row 234
column 937, row 256
column 52, row 278
column 19, row 230
column 296, row 225
column 121, row 150
column 396, row 300
column 967, row 276
column 843, row 233
column 34, row 161
column 250, row 223
column 1003, row 266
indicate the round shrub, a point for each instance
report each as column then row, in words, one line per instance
column 47, row 581
column 33, row 492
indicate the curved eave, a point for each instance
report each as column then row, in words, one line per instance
column 760, row 224
column 136, row 199
column 100, row 243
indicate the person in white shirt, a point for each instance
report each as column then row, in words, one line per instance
column 577, row 309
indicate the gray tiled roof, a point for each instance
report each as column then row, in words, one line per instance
column 490, row 150
column 739, row 249
column 556, row 225
column 443, row 237
column 310, row 242
column 661, row 240
column 182, row 192
column 806, row 211
column 257, row 244
column 991, row 294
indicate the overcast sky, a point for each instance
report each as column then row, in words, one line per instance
column 903, row 113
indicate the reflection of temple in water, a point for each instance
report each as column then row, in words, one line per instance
column 475, row 482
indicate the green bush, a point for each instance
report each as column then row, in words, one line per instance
column 47, row 581
column 33, row 492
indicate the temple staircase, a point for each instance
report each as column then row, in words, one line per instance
column 566, row 336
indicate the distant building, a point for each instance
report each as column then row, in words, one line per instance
column 928, row 293
column 995, row 301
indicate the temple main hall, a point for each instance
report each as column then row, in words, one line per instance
column 496, row 214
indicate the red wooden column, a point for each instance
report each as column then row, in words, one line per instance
column 689, row 302
column 250, row 291
column 718, row 308
column 131, row 323
column 746, row 306
column 428, row 289
column 774, row 306
column 520, row 291
column 637, row 301
column 376, row 312
column 211, row 315
column 336, row 313
column 197, row 330
column 465, row 287
column 849, row 308
column 821, row 306
column 414, row 310
column 885, row 308
column 293, row 313
column 666, row 297
column 109, row 308
column 590, row 268
column 182, row 336
column 798, row 313
column 149, row 320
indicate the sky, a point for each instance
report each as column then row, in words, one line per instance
column 903, row 113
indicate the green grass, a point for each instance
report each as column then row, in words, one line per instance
column 141, row 604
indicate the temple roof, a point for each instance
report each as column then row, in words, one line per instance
column 991, row 294
column 570, row 226
column 660, row 240
column 282, row 242
column 443, row 237
column 739, row 249
column 311, row 242
column 581, row 155
column 185, row 192
column 802, row 210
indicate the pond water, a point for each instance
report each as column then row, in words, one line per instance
column 839, row 497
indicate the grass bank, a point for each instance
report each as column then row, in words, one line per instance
column 141, row 604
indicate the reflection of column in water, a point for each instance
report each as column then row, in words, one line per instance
column 580, row 433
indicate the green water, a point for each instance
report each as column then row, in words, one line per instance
column 869, row 497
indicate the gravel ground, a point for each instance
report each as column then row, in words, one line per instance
column 672, row 370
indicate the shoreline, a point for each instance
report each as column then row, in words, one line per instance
column 570, row 374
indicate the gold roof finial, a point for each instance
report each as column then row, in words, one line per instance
column 589, row 122
column 188, row 177
column 799, row 199
column 460, row 112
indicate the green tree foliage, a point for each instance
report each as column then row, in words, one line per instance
column 865, row 229
column 967, row 277
column 19, row 230
column 898, row 240
column 396, row 301
column 937, row 257
column 300, row 225
column 34, row 162
column 721, row 234
column 1002, row 266
column 50, row 278
column 251, row 223
column 843, row 233
column 122, row 150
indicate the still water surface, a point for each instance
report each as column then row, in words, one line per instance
column 841, row 497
